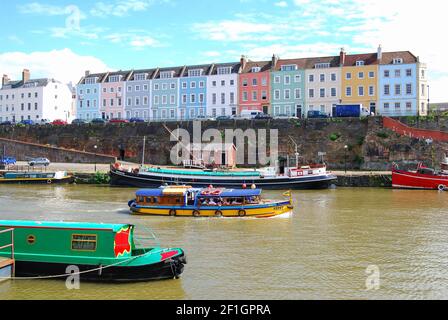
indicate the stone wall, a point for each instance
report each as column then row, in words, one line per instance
column 369, row 145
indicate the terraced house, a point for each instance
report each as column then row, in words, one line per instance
column 88, row 96
column 222, row 90
column 112, row 92
column 193, row 91
column 403, row 84
column 323, row 83
column 255, row 85
column 288, row 88
column 165, row 94
column 139, row 94
column 360, row 80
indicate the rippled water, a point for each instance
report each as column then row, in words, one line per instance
column 321, row 252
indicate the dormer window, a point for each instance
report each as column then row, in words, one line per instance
column 289, row 67
column 255, row 69
column 195, row 72
column 397, row 61
column 322, row 65
column 224, row 70
column 166, row 74
column 30, row 85
column 116, row 78
column 360, row 63
column 140, row 76
column 92, row 80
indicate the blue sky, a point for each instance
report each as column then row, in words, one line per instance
column 64, row 38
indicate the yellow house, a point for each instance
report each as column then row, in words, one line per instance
column 360, row 80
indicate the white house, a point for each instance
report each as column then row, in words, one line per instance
column 34, row 99
column 222, row 90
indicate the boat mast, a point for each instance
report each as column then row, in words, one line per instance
column 297, row 154
column 143, row 155
column 183, row 145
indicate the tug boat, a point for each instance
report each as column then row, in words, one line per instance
column 102, row 252
column 186, row 201
column 423, row 178
column 13, row 177
column 298, row 178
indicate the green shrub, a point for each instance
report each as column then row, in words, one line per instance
column 335, row 136
column 382, row 135
column 100, row 178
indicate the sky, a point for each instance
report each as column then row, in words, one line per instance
column 64, row 38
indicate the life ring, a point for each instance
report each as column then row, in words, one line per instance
column 218, row 213
column 117, row 165
column 173, row 213
column 441, row 187
column 132, row 203
column 49, row 182
column 300, row 172
column 196, row 213
column 242, row 213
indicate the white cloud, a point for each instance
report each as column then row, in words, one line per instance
column 229, row 30
column 42, row 9
column 135, row 39
column 281, row 4
column 63, row 65
column 121, row 8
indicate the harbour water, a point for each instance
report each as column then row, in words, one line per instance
column 321, row 252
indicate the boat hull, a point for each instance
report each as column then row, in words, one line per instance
column 148, row 180
column 412, row 180
column 67, row 180
column 168, row 269
column 259, row 211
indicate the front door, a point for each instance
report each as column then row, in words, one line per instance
column 299, row 111
column 373, row 107
column 265, row 109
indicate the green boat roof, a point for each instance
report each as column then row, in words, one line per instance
column 205, row 173
column 61, row 225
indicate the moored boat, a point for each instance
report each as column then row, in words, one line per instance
column 186, row 201
column 101, row 252
column 31, row 177
column 422, row 178
column 297, row 178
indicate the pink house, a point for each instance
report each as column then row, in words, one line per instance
column 255, row 85
column 112, row 96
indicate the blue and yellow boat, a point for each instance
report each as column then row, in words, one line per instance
column 185, row 201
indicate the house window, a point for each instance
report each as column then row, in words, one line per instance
column 193, row 85
column 333, row 77
column 322, row 65
column 322, row 77
column 277, row 94
column 333, row 92
column 423, row 90
column 184, row 85
column 360, row 91
column 287, row 94
column 409, row 88
column 214, row 99
column 408, row 105
column 348, row 76
column 371, row 74
column 322, row 93
column 359, row 63
column 223, row 98
column 298, row 93
column 386, row 73
column 164, row 86
column 193, row 98
column 172, row 99
column 137, row 88
column 254, row 96
column 361, row 75
column 386, row 89
column 84, row 242
column 397, row 61
column 371, row 91
column 277, row 79
column 245, row 96
column 245, row 83
column 164, row 99
column 291, row 67
column 213, row 84
column 156, row 86
column 184, row 98
column 264, row 95
column 311, row 93
column 223, row 83
column 348, row 91
column 232, row 97
column 173, row 86
column 297, row 78
column 232, row 82
column 166, row 74
column 201, row 98
column 287, row 80
column 397, row 89
column 386, row 105
column 311, row 78
column 201, row 84
column 140, row 76
column 397, row 73
column 254, row 82
column 255, row 69
column 397, row 105
column 264, row 81
column 408, row 72
column 225, row 70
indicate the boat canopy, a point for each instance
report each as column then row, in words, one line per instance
column 149, row 193
column 235, row 193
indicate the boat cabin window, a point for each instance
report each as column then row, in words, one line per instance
column 84, row 242
column 426, row 171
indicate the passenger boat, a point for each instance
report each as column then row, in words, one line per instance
column 422, row 178
column 102, row 252
column 29, row 177
column 186, row 201
column 306, row 177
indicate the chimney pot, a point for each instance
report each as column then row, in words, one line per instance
column 380, row 53
column 5, row 79
column 25, row 75
column 87, row 73
column 342, row 56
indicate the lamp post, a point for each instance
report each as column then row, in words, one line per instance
column 428, row 98
column 95, row 147
column 345, row 158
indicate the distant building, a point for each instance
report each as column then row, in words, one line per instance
column 438, row 107
column 34, row 99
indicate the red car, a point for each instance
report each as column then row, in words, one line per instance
column 59, row 122
column 118, row 121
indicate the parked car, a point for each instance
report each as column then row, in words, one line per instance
column 44, row 122
column 59, row 122
column 98, row 121
column 317, row 115
column 223, row 118
column 7, row 161
column 27, row 122
column 39, row 162
column 249, row 114
column 79, row 121
column 6, row 123
column 283, row 116
column 136, row 120
column 116, row 120
column 263, row 116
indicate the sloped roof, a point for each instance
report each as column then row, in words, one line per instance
column 264, row 65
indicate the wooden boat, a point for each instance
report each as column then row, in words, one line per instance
column 422, row 178
column 185, row 201
column 306, row 177
column 29, row 177
column 102, row 252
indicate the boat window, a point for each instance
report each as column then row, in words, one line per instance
column 31, row 239
column 84, row 242
column 148, row 200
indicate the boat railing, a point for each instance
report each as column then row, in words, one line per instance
column 24, row 168
column 9, row 245
column 145, row 238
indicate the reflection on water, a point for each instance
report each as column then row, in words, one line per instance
column 322, row 251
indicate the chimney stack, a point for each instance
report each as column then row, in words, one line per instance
column 380, row 53
column 243, row 62
column 342, row 55
column 25, row 75
column 87, row 73
column 274, row 61
column 5, row 79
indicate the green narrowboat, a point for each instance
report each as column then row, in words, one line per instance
column 28, row 177
column 101, row 252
